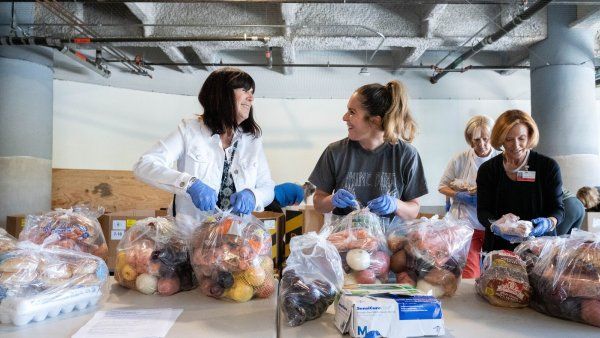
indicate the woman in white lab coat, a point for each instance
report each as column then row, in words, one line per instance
column 460, row 175
column 219, row 155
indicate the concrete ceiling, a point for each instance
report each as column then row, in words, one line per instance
column 390, row 34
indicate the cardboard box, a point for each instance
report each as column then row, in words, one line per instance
column 313, row 220
column 15, row 224
column 115, row 224
column 275, row 222
column 393, row 315
column 591, row 222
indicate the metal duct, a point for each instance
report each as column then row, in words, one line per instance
column 528, row 13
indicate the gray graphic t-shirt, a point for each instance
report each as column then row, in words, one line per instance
column 389, row 169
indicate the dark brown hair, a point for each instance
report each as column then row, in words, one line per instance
column 218, row 100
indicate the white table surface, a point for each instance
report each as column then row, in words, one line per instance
column 468, row 315
column 202, row 316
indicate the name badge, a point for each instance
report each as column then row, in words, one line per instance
column 525, row 176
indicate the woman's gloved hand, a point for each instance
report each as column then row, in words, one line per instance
column 288, row 193
column 243, row 202
column 203, row 196
column 343, row 199
column 383, row 205
column 466, row 198
column 541, row 226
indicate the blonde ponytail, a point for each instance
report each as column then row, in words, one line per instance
column 398, row 121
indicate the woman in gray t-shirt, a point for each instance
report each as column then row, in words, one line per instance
column 375, row 165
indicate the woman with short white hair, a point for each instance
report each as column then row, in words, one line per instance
column 459, row 183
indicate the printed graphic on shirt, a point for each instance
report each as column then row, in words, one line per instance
column 370, row 185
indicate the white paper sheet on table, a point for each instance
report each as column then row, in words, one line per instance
column 138, row 323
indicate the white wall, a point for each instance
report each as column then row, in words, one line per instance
column 98, row 127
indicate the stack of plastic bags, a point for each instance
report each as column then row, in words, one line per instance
column 37, row 282
column 429, row 253
column 152, row 257
column 312, row 278
column 564, row 273
column 55, row 267
column 360, row 240
column 75, row 229
column 231, row 257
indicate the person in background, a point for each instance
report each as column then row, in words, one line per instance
column 590, row 197
column 375, row 165
column 574, row 212
column 463, row 167
column 219, row 155
column 286, row 194
column 518, row 181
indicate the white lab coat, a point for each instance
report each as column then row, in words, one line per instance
column 200, row 154
column 464, row 166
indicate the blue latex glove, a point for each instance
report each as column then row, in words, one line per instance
column 466, row 198
column 288, row 194
column 512, row 239
column 343, row 199
column 243, row 202
column 541, row 226
column 448, row 204
column 203, row 196
column 383, row 205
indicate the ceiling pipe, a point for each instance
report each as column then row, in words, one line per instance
column 76, row 23
column 85, row 61
column 93, row 65
column 327, row 65
column 245, row 37
column 45, row 41
column 528, row 13
column 379, row 34
column 31, row 41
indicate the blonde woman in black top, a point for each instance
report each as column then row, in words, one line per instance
column 518, row 181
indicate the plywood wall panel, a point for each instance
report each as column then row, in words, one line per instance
column 115, row 190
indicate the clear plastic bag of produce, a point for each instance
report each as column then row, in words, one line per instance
column 359, row 238
column 511, row 225
column 461, row 184
column 311, row 279
column 7, row 242
column 76, row 228
column 503, row 281
column 37, row 282
column 153, row 258
column 564, row 273
column 429, row 253
column 231, row 257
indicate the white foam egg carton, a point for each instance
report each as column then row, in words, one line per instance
column 22, row 310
